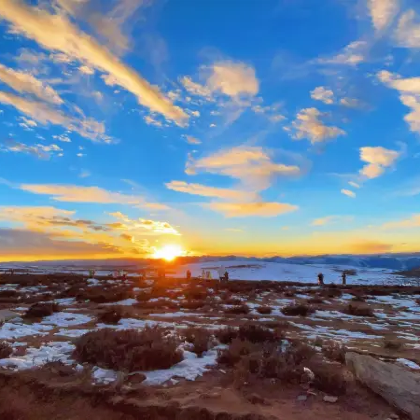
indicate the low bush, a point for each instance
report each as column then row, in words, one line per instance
column 8, row 293
column 111, row 315
column 199, row 338
column 358, row 310
column 335, row 351
column 289, row 293
column 240, row 309
column 315, row 300
column 358, row 298
column 331, row 292
column 418, row 301
column 264, row 310
column 236, row 350
column 297, row 309
column 328, row 378
column 392, row 344
column 282, row 325
column 41, row 309
column 257, row 334
column 196, row 293
column 128, row 350
column 5, row 350
column 143, row 297
column 192, row 304
column 232, row 301
column 226, row 335
column 158, row 304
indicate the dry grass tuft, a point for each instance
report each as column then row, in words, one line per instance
column 128, row 350
column 297, row 309
column 226, row 335
column 264, row 310
column 335, row 351
column 393, row 344
column 5, row 350
column 315, row 300
column 41, row 309
column 356, row 310
column 200, row 338
column 257, row 334
column 241, row 309
column 111, row 315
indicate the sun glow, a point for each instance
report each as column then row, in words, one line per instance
column 169, row 252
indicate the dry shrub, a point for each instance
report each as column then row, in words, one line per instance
column 257, row 334
column 196, row 293
column 380, row 291
column 240, row 309
column 159, row 304
column 264, row 310
column 192, row 304
column 331, row 291
column 289, row 293
column 226, row 335
column 236, row 350
column 199, row 337
column 143, row 297
column 358, row 310
column 111, row 315
column 8, row 293
column 281, row 325
column 101, row 295
column 297, row 309
column 335, row 351
column 41, row 309
column 315, row 300
column 392, row 344
column 328, row 378
column 418, row 301
column 358, row 298
column 232, row 301
column 5, row 350
column 128, row 350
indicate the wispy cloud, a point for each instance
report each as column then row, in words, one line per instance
column 308, row 124
column 207, row 191
column 324, row 221
column 351, row 55
column 192, row 140
column 57, row 33
column 349, row 193
column 253, row 166
column 41, row 151
column 408, row 30
column 26, row 83
column 45, row 114
column 410, row 222
column 257, row 209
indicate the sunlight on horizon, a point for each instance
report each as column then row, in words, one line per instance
column 169, row 252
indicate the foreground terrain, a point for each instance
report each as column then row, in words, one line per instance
column 73, row 347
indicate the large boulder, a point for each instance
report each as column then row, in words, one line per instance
column 397, row 385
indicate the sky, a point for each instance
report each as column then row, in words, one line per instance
column 255, row 128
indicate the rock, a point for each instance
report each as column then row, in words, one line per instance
column 330, row 399
column 394, row 416
column 302, row 398
column 256, row 399
column 6, row 315
column 397, row 385
column 136, row 378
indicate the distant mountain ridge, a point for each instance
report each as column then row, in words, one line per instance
column 396, row 262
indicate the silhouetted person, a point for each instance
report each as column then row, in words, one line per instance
column 226, row 276
column 320, row 279
column 344, row 277
column 188, row 274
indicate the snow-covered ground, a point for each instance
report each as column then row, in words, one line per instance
column 279, row 271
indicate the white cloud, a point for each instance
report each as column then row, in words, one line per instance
column 383, row 12
column 44, row 114
column 152, row 121
column 207, row 191
column 350, row 102
column 41, row 151
column 351, row 55
column 348, row 193
column 258, row 209
column 378, row 159
column 323, row 94
column 253, row 166
column 233, row 79
column 308, row 125
column 23, row 82
column 63, row 138
column 57, row 33
column 409, row 95
column 408, row 30
column 192, row 140
column 195, row 88
column 86, row 70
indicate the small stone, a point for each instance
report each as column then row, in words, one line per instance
column 256, row 399
column 330, row 399
column 136, row 378
column 302, row 398
column 394, row 416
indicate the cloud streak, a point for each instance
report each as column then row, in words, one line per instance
column 55, row 32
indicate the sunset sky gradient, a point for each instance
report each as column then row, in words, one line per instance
column 275, row 127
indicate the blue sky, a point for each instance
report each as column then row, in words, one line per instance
column 257, row 128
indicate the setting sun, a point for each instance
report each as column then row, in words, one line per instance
column 169, row 252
